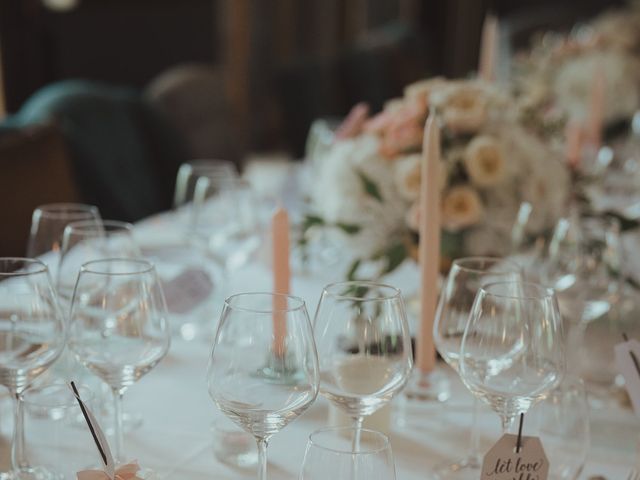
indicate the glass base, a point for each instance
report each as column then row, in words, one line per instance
column 464, row 469
column 434, row 386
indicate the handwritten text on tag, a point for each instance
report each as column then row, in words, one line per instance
column 503, row 463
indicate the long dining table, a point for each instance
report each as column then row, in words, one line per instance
column 175, row 438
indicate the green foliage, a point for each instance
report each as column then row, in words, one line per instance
column 370, row 187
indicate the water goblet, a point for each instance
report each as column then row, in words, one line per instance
column 32, row 336
column 512, row 353
column 119, row 327
column 330, row 454
column 263, row 369
column 364, row 346
column 466, row 276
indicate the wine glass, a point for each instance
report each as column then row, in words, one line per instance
column 512, row 352
column 330, row 454
column 562, row 423
column 119, row 328
column 364, row 346
column 32, row 336
column 189, row 173
column 263, row 370
column 466, row 276
column 226, row 219
column 48, row 223
column 88, row 240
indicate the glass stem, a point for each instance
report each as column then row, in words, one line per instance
column 475, row 457
column 507, row 421
column 355, row 444
column 18, row 459
column 118, row 435
column 262, row 458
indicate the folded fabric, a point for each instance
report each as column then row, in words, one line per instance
column 124, row 472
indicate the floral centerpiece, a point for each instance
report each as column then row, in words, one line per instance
column 553, row 80
column 367, row 183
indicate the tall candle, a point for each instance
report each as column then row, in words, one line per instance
column 488, row 49
column 596, row 107
column 429, row 247
column 281, row 277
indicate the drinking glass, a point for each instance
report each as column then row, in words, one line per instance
column 562, row 423
column 263, row 369
column 330, row 454
column 88, row 240
column 189, row 173
column 364, row 346
column 119, row 328
column 226, row 219
column 56, row 447
column 512, row 352
column 32, row 336
column 48, row 223
column 466, row 276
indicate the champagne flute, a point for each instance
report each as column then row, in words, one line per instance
column 330, row 454
column 263, row 370
column 512, row 352
column 466, row 276
column 119, row 328
column 48, row 223
column 32, row 336
column 364, row 346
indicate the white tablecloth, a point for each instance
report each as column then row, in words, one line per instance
column 176, row 441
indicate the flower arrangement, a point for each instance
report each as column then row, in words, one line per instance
column 368, row 182
column 553, row 80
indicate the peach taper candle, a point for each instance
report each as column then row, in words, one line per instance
column 281, row 277
column 488, row 49
column 429, row 247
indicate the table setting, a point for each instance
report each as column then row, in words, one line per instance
column 445, row 289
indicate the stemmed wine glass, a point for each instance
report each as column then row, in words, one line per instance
column 364, row 346
column 263, row 369
column 466, row 276
column 48, row 223
column 87, row 240
column 330, row 454
column 190, row 172
column 119, row 326
column 512, row 352
column 32, row 336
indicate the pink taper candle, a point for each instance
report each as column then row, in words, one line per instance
column 488, row 49
column 596, row 107
column 281, row 277
column 429, row 247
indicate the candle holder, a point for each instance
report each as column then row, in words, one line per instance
column 434, row 386
column 280, row 369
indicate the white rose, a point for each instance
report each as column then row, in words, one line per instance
column 461, row 208
column 422, row 89
column 485, row 162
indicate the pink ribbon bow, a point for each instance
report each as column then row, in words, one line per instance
column 123, row 472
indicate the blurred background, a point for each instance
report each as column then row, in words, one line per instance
column 102, row 100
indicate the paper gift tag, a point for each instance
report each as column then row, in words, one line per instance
column 503, row 463
column 187, row 290
column 628, row 363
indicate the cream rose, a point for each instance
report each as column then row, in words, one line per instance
column 463, row 107
column 461, row 208
column 407, row 176
column 484, row 161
